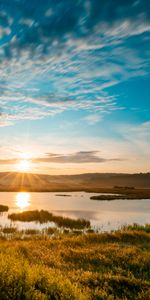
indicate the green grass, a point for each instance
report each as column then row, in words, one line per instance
column 104, row 266
column 44, row 216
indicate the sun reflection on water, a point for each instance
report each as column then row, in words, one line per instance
column 23, row 200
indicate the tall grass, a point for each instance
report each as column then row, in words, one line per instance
column 106, row 266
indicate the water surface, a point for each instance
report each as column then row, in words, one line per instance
column 103, row 215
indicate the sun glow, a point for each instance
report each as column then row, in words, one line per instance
column 23, row 200
column 24, row 165
column 25, row 155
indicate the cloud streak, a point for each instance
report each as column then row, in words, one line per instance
column 80, row 157
column 77, row 157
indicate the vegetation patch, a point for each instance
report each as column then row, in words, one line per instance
column 9, row 230
column 101, row 266
column 120, row 197
column 32, row 231
column 44, row 216
column 137, row 227
column 4, row 208
column 51, row 230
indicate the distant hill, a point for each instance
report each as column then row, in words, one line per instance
column 35, row 182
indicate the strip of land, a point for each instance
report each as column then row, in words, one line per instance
column 136, row 196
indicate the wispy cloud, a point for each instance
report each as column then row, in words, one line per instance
column 65, row 55
column 49, row 23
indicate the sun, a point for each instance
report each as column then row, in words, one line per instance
column 24, row 165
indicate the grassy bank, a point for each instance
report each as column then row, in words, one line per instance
column 93, row 266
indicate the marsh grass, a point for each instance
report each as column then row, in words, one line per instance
column 31, row 231
column 51, row 230
column 9, row 230
column 44, row 216
column 101, row 266
column 4, row 208
column 137, row 227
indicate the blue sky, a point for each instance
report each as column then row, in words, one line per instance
column 74, row 85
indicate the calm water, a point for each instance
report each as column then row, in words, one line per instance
column 104, row 215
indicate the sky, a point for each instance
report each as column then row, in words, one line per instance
column 75, row 86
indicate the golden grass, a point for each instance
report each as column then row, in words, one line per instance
column 103, row 266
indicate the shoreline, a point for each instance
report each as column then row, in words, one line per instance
column 114, row 193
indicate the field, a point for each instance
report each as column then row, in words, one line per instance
column 102, row 266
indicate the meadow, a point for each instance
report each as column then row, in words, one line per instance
column 68, row 266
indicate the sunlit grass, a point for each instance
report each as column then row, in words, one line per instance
column 106, row 266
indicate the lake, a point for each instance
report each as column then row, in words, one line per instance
column 103, row 215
